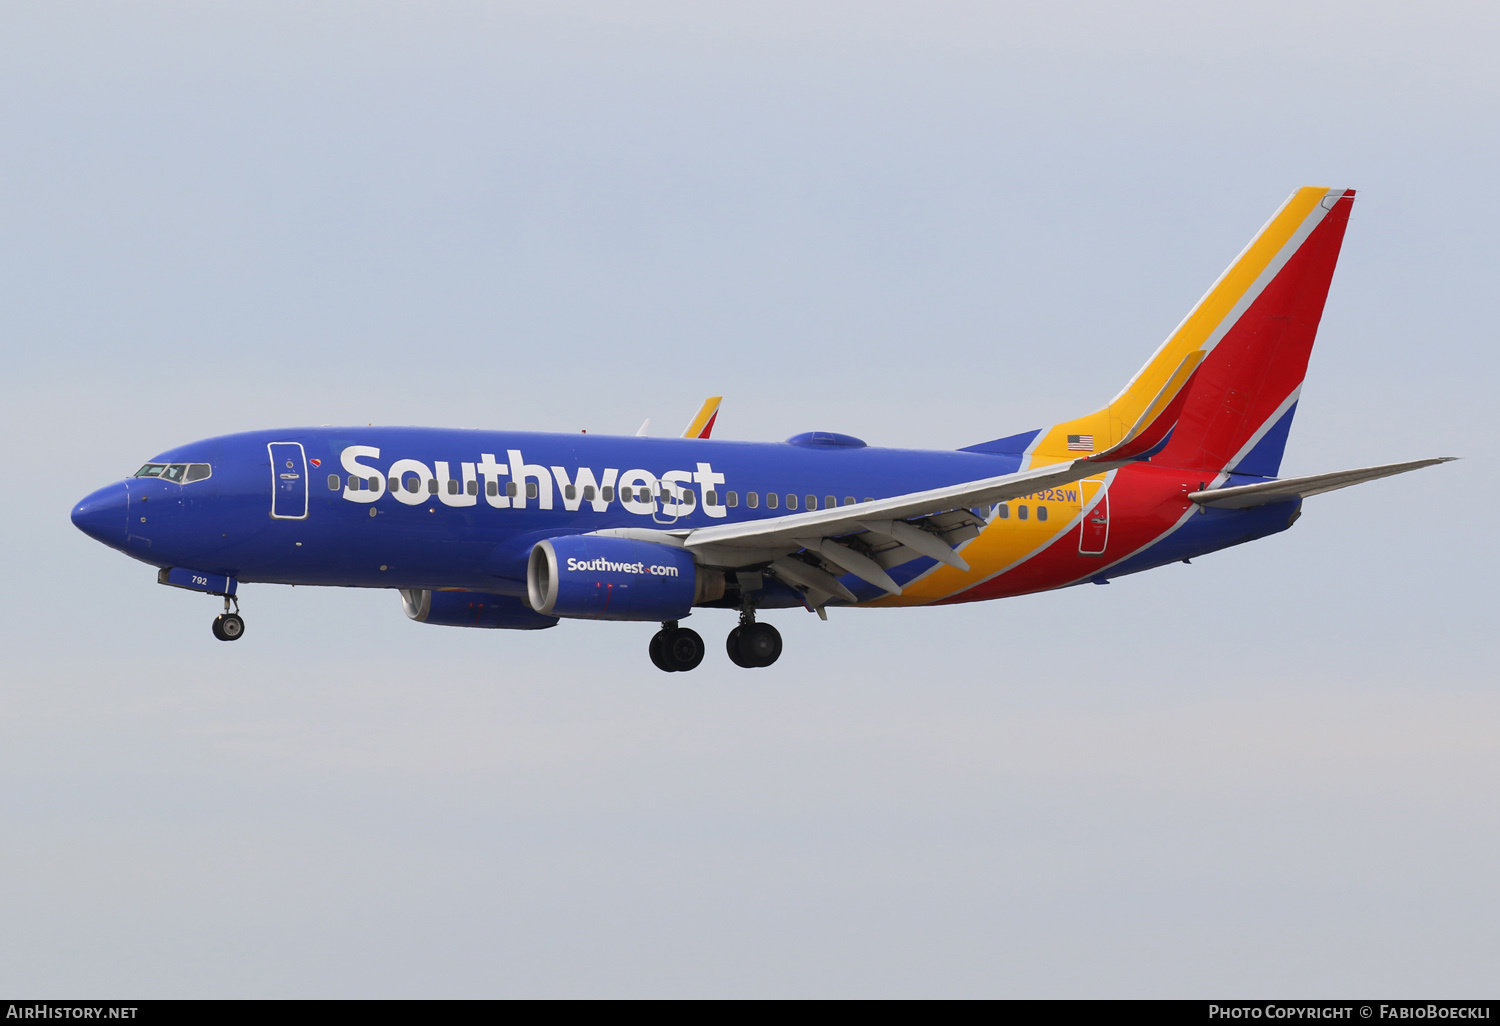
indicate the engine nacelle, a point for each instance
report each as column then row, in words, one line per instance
column 605, row 578
column 473, row 609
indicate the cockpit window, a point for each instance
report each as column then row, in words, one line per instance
column 182, row 473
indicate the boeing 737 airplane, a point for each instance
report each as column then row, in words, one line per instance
column 515, row 530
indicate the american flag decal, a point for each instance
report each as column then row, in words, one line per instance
column 1080, row 443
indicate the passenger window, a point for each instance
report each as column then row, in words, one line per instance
column 432, row 487
column 848, row 500
column 830, row 501
column 710, row 498
column 472, row 487
column 771, row 500
column 452, row 487
column 511, row 489
column 570, row 492
column 868, row 499
column 491, row 489
column 375, row 483
column 333, row 482
column 531, row 489
column 395, row 484
column 197, row 472
column 1021, row 512
column 688, row 499
column 353, row 482
column 607, row 493
column 588, row 493
column 1041, row 512
column 812, row 502
column 1002, row 511
column 734, row 499
column 791, row 501
column 752, row 499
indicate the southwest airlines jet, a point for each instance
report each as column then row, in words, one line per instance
column 516, row 530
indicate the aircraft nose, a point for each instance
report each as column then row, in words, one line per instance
column 102, row 514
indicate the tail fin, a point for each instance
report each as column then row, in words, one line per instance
column 1220, row 392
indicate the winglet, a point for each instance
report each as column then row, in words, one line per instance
column 703, row 424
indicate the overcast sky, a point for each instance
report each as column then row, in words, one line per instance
column 1274, row 772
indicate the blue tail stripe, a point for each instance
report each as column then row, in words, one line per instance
column 1265, row 459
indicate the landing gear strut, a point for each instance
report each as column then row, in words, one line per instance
column 229, row 626
column 676, row 649
column 753, row 644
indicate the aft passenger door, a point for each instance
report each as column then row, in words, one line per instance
column 288, row 481
column 1093, row 538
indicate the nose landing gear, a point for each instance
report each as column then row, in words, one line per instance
column 676, row 649
column 752, row 644
column 229, row 626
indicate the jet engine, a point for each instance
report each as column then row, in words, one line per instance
column 473, row 609
column 608, row 578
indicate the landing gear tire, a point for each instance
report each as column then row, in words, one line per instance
column 753, row 645
column 229, row 627
column 676, row 649
column 657, row 659
column 732, row 646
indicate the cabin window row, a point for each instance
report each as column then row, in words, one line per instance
column 774, row 501
column 606, row 493
column 1022, row 512
column 492, row 489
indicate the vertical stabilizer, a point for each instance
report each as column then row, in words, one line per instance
column 1220, row 392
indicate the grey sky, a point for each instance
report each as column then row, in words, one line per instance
column 1272, row 772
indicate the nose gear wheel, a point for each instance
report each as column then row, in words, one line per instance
column 229, row 627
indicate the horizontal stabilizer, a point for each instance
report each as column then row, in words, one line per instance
column 1246, row 496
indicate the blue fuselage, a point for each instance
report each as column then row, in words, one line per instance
column 247, row 520
column 428, row 508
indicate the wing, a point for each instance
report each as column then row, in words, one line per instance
column 893, row 531
column 1246, row 496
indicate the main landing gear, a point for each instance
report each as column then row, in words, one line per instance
column 753, row 644
column 677, row 649
column 229, row 626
